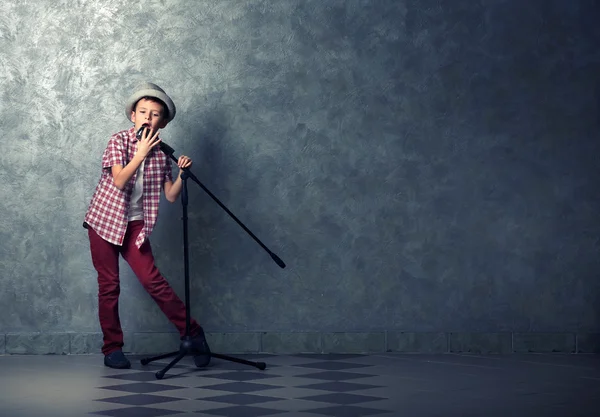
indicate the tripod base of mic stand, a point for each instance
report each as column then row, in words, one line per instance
column 185, row 349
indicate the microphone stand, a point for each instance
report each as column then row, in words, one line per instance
column 185, row 348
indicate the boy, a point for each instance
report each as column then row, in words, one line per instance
column 122, row 215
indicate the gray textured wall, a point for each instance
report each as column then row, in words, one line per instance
column 421, row 166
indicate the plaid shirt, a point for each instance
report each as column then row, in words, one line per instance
column 108, row 211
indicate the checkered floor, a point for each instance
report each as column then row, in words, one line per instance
column 305, row 385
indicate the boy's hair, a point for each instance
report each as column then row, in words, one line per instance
column 165, row 114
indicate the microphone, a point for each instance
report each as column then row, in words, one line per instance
column 138, row 135
column 163, row 146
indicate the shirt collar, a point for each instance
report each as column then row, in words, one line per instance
column 131, row 132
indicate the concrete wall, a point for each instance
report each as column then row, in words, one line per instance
column 427, row 170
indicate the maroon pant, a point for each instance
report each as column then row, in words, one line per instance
column 105, row 257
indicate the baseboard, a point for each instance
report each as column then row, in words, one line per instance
column 58, row 343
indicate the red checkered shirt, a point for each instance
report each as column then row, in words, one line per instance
column 108, row 211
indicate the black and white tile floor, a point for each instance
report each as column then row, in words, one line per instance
column 305, row 386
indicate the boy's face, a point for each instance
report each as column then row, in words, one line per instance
column 150, row 113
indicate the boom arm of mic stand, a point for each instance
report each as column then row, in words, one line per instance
column 169, row 152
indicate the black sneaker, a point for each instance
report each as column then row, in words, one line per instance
column 200, row 345
column 117, row 360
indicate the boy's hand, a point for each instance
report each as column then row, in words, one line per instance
column 147, row 142
column 184, row 162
